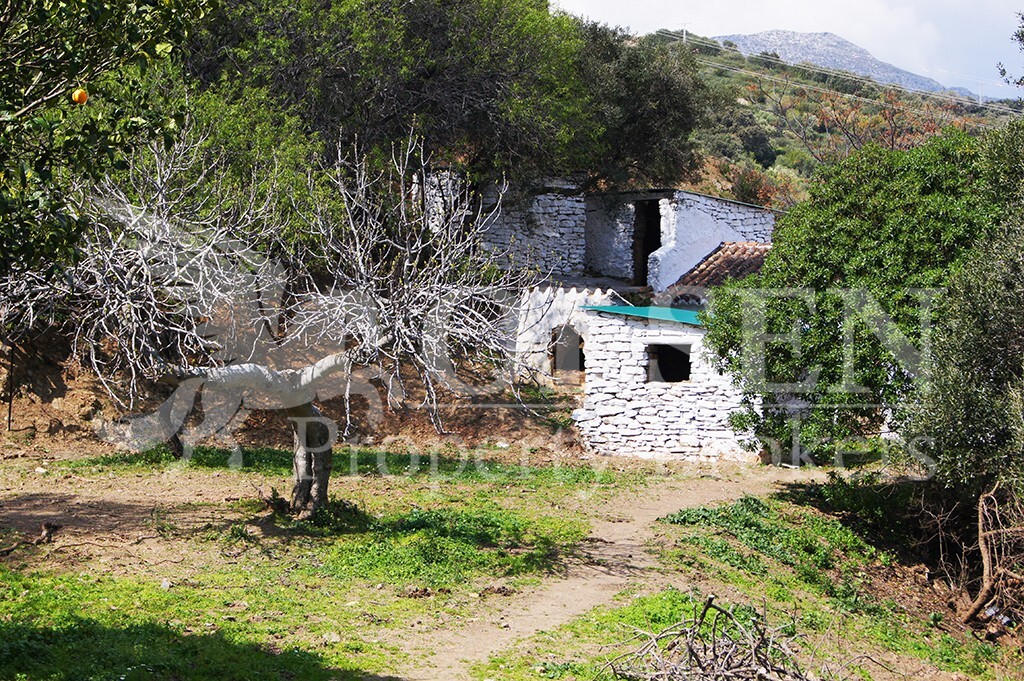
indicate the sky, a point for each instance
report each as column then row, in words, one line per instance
column 956, row 42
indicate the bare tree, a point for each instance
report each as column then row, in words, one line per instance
column 831, row 125
column 186, row 281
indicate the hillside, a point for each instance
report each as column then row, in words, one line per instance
column 778, row 121
column 832, row 52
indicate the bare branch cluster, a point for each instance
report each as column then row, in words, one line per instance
column 170, row 274
column 183, row 275
column 714, row 645
column 1000, row 598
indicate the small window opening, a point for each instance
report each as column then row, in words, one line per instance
column 668, row 363
column 568, row 361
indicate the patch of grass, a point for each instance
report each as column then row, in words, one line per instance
column 293, row 600
column 442, row 548
column 77, row 627
column 799, row 560
column 813, row 546
column 946, row 652
column 871, row 505
column 440, row 465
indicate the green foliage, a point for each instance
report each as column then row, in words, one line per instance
column 873, row 506
column 46, row 142
column 883, row 225
column 648, row 98
column 972, row 408
column 796, row 561
column 490, row 85
column 248, row 150
column 1003, row 164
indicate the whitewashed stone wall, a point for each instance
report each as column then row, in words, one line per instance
column 623, row 414
column 549, row 234
column 609, row 247
column 693, row 225
column 446, row 197
column 545, row 309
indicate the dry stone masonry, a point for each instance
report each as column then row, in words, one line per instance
column 625, row 414
column 566, row 235
column 548, row 308
column 547, row 234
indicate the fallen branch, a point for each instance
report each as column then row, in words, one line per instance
column 999, row 535
column 45, row 537
column 713, row 646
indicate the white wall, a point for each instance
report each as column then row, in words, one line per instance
column 694, row 225
column 548, row 234
column 545, row 309
column 609, row 249
column 623, row 414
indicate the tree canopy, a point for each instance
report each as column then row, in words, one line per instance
column 47, row 49
column 492, row 86
column 847, row 284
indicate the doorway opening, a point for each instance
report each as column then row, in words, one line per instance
column 568, row 360
column 646, row 238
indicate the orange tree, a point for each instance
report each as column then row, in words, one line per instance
column 800, row 338
column 48, row 50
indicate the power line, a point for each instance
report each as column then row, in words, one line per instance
column 823, row 90
column 697, row 40
column 853, row 76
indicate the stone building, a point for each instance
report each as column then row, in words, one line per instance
column 647, row 387
column 650, row 389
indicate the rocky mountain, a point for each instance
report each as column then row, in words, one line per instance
column 833, row 52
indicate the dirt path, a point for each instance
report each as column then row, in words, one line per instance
column 615, row 557
column 115, row 520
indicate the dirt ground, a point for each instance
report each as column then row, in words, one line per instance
column 111, row 524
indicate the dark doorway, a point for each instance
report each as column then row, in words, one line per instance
column 568, row 363
column 646, row 237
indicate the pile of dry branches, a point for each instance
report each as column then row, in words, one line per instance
column 1000, row 597
column 713, row 646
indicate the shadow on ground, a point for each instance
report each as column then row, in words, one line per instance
column 81, row 516
column 86, row 650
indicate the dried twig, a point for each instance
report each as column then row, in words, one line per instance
column 1001, row 544
column 713, row 646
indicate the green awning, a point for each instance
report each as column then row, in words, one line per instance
column 665, row 314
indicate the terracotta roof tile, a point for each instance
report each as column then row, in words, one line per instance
column 731, row 260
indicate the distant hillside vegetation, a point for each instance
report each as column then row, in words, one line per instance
column 777, row 121
column 833, row 52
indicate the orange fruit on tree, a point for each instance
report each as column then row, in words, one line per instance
column 80, row 96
